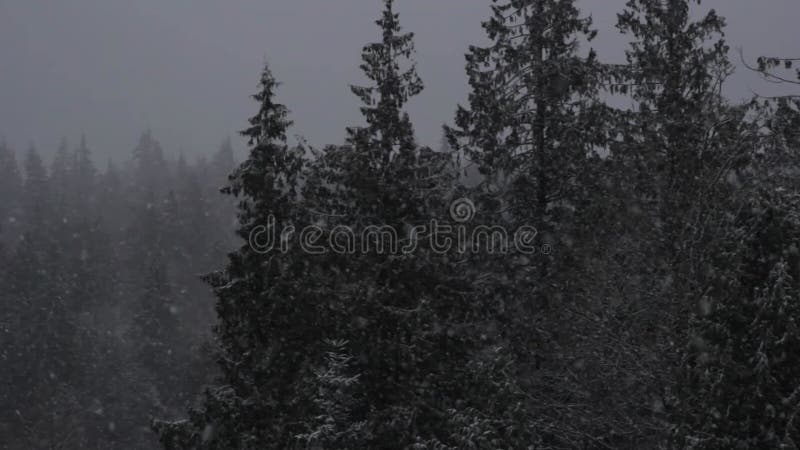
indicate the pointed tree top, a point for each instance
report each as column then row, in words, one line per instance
column 393, row 85
column 270, row 123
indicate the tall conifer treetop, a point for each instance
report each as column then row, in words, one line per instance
column 388, row 127
column 672, row 64
column 265, row 182
column 531, row 110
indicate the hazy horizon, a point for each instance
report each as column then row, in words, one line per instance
column 185, row 70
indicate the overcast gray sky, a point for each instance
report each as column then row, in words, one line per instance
column 185, row 68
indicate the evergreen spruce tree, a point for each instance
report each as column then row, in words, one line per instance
column 676, row 69
column 683, row 143
column 414, row 333
column 45, row 345
column 61, row 171
column 222, row 162
column 266, row 306
column 10, row 192
column 533, row 117
column 112, row 204
column 151, row 170
column 195, row 214
column 388, row 129
column 533, row 126
column 84, row 183
column 734, row 388
column 223, row 209
column 36, row 200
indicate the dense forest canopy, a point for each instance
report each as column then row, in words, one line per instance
column 561, row 272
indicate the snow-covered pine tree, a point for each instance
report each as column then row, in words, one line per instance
column 676, row 68
column 338, row 397
column 411, row 327
column 267, row 305
column 380, row 158
column 533, row 126
column 44, row 346
column 533, row 116
column 681, row 144
column 388, row 126
column 740, row 388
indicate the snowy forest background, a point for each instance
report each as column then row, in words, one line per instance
column 135, row 314
column 105, row 320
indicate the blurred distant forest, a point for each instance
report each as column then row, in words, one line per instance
column 105, row 319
